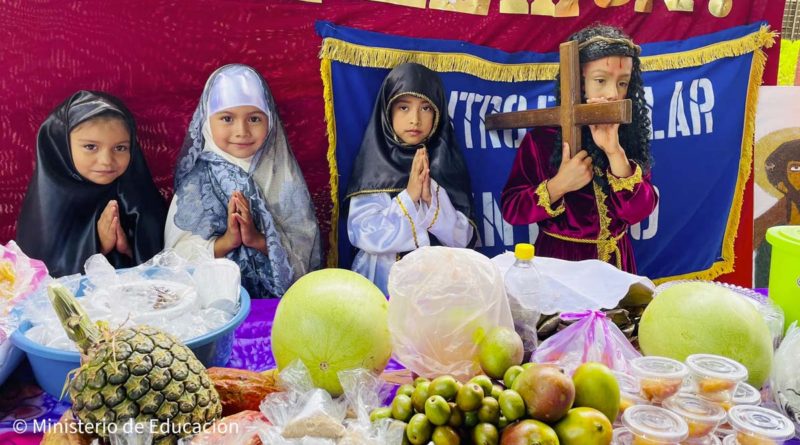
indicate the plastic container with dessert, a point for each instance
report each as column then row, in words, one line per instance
column 754, row 425
column 629, row 393
column 650, row 425
column 700, row 415
column 659, row 377
column 714, row 377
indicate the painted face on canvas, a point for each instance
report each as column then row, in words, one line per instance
column 607, row 77
column 101, row 149
column 239, row 131
column 412, row 118
column 793, row 173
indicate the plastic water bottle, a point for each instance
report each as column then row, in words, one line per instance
column 524, row 289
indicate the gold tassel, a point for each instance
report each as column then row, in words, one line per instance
column 333, row 169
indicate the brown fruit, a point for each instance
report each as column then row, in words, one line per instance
column 548, row 392
column 242, row 390
column 527, row 432
column 62, row 434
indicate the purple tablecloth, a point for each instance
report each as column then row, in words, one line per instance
column 252, row 348
column 21, row 398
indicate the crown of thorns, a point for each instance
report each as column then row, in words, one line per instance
column 600, row 46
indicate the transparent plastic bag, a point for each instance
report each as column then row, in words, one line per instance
column 242, row 428
column 304, row 415
column 581, row 285
column 161, row 293
column 785, row 380
column 131, row 433
column 442, row 300
column 592, row 338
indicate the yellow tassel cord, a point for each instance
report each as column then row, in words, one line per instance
column 333, row 169
column 376, row 57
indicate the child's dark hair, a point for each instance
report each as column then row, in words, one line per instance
column 775, row 164
column 596, row 42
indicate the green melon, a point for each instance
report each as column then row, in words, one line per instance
column 333, row 320
column 702, row 317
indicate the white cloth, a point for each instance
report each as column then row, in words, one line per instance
column 186, row 244
column 380, row 227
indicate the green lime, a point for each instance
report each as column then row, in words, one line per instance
column 485, row 434
column 485, row 383
column 445, row 386
column 405, row 390
column 444, row 435
column 419, row 396
column 419, row 430
column 469, row 397
column 380, row 413
column 402, row 408
column 456, row 416
column 511, row 374
column 437, row 410
column 470, row 419
column 489, row 411
column 511, row 405
column 496, row 391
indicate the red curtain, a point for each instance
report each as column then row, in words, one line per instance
column 157, row 55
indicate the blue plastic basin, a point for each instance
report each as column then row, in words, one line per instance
column 51, row 366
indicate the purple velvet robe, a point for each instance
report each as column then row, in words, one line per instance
column 588, row 214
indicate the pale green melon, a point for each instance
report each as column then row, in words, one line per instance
column 332, row 320
column 702, row 317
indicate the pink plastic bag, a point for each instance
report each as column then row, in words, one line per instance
column 592, row 338
column 19, row 275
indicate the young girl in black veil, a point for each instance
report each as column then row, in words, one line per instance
column 91, row 191
column 410, row 186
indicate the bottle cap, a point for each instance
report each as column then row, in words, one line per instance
column 524, row 251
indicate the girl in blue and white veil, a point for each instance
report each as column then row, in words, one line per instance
column 239, row 192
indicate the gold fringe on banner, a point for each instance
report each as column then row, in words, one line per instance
column 700, row 56
column 333, row 169
column 376, row 57
column 725, row 264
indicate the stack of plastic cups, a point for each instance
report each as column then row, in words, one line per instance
column 702, row 417
column 650, row 425
column 659, row 377
column 754, row 425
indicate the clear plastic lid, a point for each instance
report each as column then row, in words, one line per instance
column 656, row 424
column 694, row 408
column 760, row 421
column 746, row 395
column 658, row 368
column 627, row 383
column 622, row 437
column 711, row 439
column 716, row 367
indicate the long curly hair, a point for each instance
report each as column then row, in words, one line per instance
column 634, row 137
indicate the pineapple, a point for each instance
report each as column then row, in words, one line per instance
column 136, row 373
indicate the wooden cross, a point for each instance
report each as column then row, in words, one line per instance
column 571, row 114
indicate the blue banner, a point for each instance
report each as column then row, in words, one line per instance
column 701, row 94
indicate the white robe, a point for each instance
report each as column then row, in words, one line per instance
column 381, row 227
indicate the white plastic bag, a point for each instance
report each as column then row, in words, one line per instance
column 582, row 285
column 305, row 415
column 442, row 301
column 785, row 380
